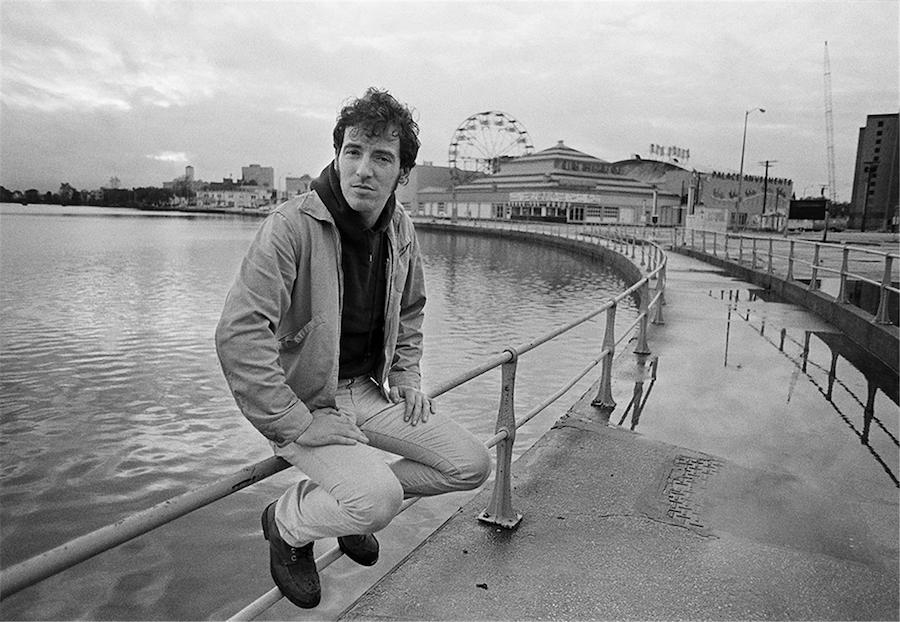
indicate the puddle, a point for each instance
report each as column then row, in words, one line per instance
column 817, row 394
column 833, row 364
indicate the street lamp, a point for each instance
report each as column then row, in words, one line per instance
column 741, row 174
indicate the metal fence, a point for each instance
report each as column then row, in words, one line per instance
column 826, row 267
column 650, row 290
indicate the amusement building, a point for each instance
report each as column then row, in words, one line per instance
column 563, row 184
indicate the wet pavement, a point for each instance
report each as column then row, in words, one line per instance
column 760, row 482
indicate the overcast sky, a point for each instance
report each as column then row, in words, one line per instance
column 139, row 89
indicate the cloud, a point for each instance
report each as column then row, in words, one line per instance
column 170, row 156
column 88, row 57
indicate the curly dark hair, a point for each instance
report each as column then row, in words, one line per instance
column 374, row 112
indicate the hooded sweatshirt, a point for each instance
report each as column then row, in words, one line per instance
column 364, row 263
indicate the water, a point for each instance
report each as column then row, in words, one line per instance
column 112, row 399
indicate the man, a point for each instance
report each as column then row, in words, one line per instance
column 321, row 335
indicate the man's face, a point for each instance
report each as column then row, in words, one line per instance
column 369, row 167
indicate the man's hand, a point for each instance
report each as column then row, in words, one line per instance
column 418, row 405
column 331, row 427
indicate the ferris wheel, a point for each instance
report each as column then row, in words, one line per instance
column 484, row 139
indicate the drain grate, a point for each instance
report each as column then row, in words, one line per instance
column 681, row 492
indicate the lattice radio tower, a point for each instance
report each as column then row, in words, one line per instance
column 829, row 128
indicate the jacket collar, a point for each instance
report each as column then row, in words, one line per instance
column 311, row 204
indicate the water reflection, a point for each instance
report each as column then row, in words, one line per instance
column 851, row 389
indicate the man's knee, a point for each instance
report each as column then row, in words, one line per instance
column 477, row 468
column 376, row 508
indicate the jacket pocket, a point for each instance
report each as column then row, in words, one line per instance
column 292, row 342
column 309, row 358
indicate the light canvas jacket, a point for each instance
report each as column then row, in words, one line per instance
column 278, row 339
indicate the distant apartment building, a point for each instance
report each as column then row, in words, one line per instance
column 185, row 185
column 261, row 175
column 874, row 203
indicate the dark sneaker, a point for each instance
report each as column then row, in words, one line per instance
column 293, row 568
column 362, row 549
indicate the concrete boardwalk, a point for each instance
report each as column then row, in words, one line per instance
column 672, row 521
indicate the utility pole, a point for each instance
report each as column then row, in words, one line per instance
column 740, row 196
column 827, row 212
column 767, row 164
column 829, row 132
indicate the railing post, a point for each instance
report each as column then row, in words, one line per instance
column 790, row 272
column 500, row 511
column 660, row 300
column 642, row 253
column 715, row 244
column 703, row 241
column 725, row 249
column 641, row 347
column 770, row 256
column 815, row 269
column 843, row 298
column 881, row 317
column 753, row 256
column 604, row 399
column 740, row 249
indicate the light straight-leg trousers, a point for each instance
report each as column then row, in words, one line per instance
column 351, row 489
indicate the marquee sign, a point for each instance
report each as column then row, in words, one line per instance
column 559, row 197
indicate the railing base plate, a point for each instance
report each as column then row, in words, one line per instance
column 506, row 523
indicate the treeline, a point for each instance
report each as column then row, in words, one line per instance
column 141, row 198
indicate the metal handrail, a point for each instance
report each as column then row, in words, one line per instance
column 508, row 517
column 84, row 547
column 60, row 558
column 891, row 260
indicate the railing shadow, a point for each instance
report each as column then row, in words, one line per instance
column 877, row 375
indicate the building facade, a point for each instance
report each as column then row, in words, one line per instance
column 231, row 195
column 422, row 176
column 559, row 184
column 261, row 175
column 874, row 203
column 709, row 198
column 296, row 185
